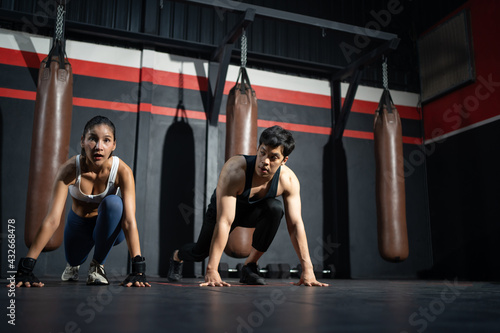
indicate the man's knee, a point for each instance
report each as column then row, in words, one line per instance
column 188, row 252
column 239, row 243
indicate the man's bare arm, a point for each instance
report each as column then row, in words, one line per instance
column 296, row 229
column 228, row 187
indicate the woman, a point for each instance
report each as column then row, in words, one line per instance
column 102, row 213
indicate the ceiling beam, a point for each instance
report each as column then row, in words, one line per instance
column 274, row 14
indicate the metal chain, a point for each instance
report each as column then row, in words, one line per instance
column 59, row 22
column 181, row 87
column 244, row 48
column 385, row 76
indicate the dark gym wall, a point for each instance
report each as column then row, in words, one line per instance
column 160, row 146
column 93, row 95
column 159, row 113
column 464, row 197
column 208, row 26
column 462, row 134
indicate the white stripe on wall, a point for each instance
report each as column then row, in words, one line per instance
column 189, row 66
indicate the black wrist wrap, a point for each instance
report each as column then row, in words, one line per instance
column 138, row 271
column 26, row 265
column 25, row 271
column 138, row 264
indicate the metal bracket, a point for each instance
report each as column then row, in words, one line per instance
column 219, row 65
column 217, row 71
column 354, row 71
column 235, row 33
column 366, row 59
column 274, row 14
column 343, row 115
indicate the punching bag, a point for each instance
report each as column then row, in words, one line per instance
column 241, row 118
column 390, row 183
column 50, row 140
column 241, row 139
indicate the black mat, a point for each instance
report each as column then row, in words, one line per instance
column 345, row 306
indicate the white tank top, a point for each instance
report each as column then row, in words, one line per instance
column 76, row 192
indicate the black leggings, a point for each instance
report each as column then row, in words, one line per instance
column 265, row 216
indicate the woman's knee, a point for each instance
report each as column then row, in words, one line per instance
column 111, row 203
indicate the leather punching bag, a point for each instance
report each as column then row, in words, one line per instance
column 241, row 139
column 390, row 182
column 241, row 118
column 50, row 140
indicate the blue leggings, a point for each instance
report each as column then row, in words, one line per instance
column 104, row 231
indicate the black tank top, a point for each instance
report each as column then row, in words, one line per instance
column 244, row 197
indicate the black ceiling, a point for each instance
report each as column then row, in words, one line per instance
column 195, row 30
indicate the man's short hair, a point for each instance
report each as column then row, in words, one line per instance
column 276, row 136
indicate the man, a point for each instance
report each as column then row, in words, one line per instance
column 245, row 197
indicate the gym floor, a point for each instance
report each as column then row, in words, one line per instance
column 344, row 306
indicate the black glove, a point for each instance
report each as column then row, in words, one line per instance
column 25, row 271
column 138, row 271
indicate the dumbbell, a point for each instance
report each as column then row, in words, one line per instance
column 319, row 271
column 278, row 271
column 226, row 272
column 271, row 271
column 223, row 270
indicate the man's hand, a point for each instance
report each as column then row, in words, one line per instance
column 212, row 279
column 309, row 280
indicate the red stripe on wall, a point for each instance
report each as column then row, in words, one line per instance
column 287, row 96
column 99, row 104
column 18, row 94
column 147, row 74
column 193, row 82
column 80, row 67
column 77, row 101
column 295, row 127
column 412, row 140
column 105, row 71
column 369, row 136
column 176, row 80
column 166, row 111
column 367, row 107
column 20, row 58
column 479, row 101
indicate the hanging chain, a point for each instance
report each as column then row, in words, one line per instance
column 181, row 86
column 244, row 48
column 60, row 22
column 385, row 77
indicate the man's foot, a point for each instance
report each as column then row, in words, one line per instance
column 175, row 270
column 70, row 273
column 97, row 275
column 250, row 275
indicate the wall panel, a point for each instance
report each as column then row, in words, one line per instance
column 163, row 141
